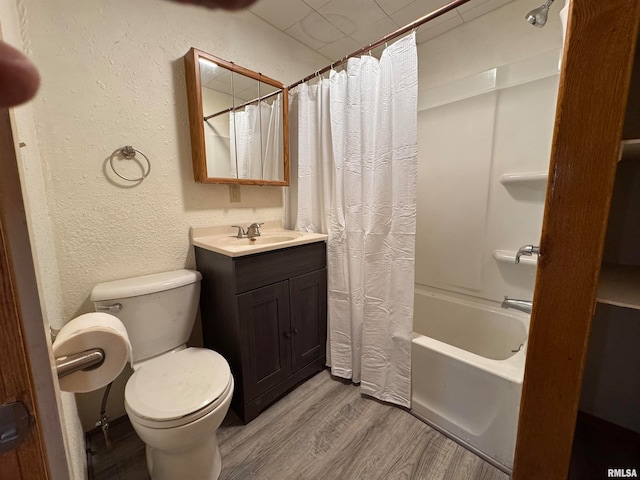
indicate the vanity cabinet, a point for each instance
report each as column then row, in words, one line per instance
column 266, row 313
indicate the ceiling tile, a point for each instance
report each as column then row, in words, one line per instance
column 314, row 31
column 452, row 15
column 337, row 50
column 415, row 10
column 353, row 15
column 432, row 29
column 316, row 4
column 391, row 6
column 318, row 28
column 335, row 28
column 470, row 5
column 484, row 8
column 281, row 13
column 375, row 31
column 296, row 32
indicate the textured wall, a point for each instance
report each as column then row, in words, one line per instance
column 112, row 75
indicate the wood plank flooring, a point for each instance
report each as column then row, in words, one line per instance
column 324, row 429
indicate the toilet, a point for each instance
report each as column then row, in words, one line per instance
column 177, row 396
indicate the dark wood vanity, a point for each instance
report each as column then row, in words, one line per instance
column 266, row 313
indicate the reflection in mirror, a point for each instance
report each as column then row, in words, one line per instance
column 217, row 95
column 257, row 130
column 238, row 120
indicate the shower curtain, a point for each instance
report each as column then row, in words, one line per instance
column 256, row 145
column 357, row 168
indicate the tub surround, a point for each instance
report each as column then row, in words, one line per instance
column 485, row 120
column 494, row 197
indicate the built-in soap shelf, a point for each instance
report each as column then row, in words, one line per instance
column 619, row 285
column 535, row 180
column 508, row 256
column 630, row 150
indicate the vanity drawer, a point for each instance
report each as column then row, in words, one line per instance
column 261, row 269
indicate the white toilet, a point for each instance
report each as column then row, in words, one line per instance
column 177, row 397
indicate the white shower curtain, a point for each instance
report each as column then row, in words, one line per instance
column 272, row 164
column 256, row 145
column 357, row 168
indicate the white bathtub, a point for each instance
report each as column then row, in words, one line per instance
column 466, row 381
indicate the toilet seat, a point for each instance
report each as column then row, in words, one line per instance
column 178, row 388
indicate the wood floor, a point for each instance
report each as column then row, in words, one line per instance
column 322, row 430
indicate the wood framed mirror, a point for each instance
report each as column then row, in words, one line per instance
column 238, row 121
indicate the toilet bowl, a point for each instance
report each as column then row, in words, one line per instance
column 177, row 396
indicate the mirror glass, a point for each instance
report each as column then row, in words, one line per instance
column 238, row 121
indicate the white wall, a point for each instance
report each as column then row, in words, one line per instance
column 113, row 75
column 60, row 417
column 216, row 133
column 499, row 38
column 468, row 141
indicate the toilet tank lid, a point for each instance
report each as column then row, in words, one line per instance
column 136, row 286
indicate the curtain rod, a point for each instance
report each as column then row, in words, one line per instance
column 401, row 31
column 231, row 109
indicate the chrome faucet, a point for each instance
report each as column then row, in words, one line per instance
column 522, row 305
column 527, row 250
column 241, row 233
column 254, row 230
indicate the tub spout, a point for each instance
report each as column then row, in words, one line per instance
column 522, row 305
column 527, row 250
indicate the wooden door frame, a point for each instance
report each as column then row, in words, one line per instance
column 594, row 85
column 17, row 288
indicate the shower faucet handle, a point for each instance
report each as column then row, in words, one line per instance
column 241, row 233
column 527, row 250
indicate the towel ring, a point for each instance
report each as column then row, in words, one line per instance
column 129, row 153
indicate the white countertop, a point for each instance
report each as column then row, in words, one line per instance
column 222, row 239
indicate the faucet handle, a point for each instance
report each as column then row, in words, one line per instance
column 241, row 233
column 527, row 250
column 255, row 227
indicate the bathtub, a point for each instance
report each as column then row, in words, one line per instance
column 466, row 379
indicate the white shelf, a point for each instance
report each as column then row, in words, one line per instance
column 619, row 285
column 535, row 180
column 630, row 150
column 508, row 256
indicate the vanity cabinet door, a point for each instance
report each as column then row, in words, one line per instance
column 308, row 296
column 265, row 333
column 267, row 315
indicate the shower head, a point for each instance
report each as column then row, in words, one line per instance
column 538, row 16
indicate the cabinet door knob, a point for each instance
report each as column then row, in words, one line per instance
column 295, row 331
column 287, row 334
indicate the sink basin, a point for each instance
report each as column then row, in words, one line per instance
column 265, row 239
column 210, row 238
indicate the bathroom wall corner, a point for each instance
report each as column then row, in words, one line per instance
column 59, row 417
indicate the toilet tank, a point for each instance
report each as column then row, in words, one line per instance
column 157, row 310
